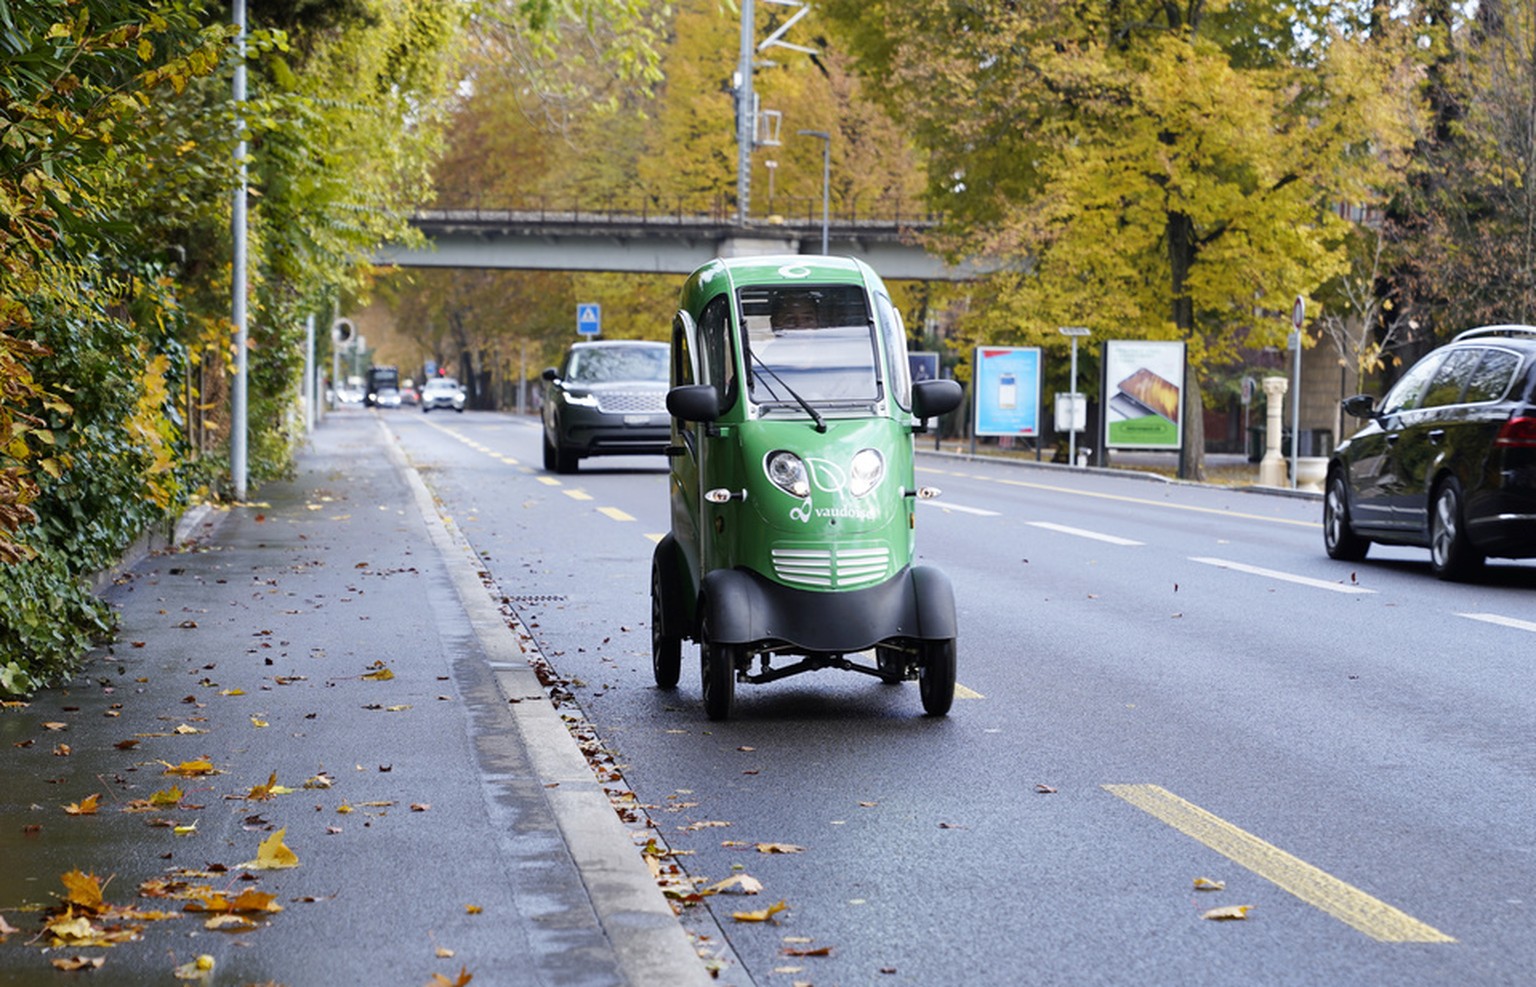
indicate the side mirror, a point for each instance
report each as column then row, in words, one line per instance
column 694, row 403
column 1360, row 406
column 932, row 398
column 550, row 374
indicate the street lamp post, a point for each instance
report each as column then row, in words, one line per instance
column 826, row 181
column 772, row 166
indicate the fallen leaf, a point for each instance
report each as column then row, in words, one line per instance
column 420, row 806
column 61, row 750
column 1206, row 884
column 741, row 883
column 379, row 674
column 779, row 848
column 812, row 951
column 273, row 854
column 189, row 769
column 5, row 927
column 444, row 953
column 72, row 964
column 55, row 726
column 185, row 729
column 231, row 923
column 763, row 915
column 84, row 807
column 1045, row 790
column 473, row 909
column 1231, row 913
column 126, row 745
column 166, row 798
column 82, row 890
column 186, row 830
column 198, row 969
column 257, row 721
column 231, row 692
column 321, row 780
column 464, row 977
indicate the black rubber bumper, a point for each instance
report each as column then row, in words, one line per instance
column 744, row 607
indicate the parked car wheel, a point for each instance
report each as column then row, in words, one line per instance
column 936, row 676
column 1340, row 541
column 666, row 649
column 1451, row 554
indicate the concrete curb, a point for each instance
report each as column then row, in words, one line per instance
column 1111, row 471
column 647, row 937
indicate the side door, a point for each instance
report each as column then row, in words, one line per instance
column 1373, row 462
column 1422, row 442
column 683, row 455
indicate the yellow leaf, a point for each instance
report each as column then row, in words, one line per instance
column 444, row 953
column 231, row 692
column 743, row 883
column 184, row 729
column 186, row 830
column 1206, row 884
column 189, row 769
column 779, row 848
column 84, row 807
column 83, row 890
column 473, row 909
column 69, row 929
column 230, row 923
column 762, row 915
column 380, row 673
column 166, row 798
column 273, row 854
column 257, row 721
column 1231, row 913
column 198, row 969
column 74, row 964
column 462, row 980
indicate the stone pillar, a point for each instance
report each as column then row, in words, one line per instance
column 1272, row 471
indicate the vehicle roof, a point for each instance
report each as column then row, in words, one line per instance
column 725, row 274
column 1508, row 333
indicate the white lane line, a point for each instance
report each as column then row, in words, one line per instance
column 1283, row 576
column 1079, row 532
column 1502, row 621
column 946, row 505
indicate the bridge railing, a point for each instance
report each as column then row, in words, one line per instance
column 643, row 207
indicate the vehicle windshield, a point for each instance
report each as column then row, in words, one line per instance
column 442, row 384
column 601, row 364
column 811, row 342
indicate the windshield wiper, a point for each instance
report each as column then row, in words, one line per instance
column 821, row 425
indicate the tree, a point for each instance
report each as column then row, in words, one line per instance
column 1152, row 170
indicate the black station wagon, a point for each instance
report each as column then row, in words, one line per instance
column 1446, row 461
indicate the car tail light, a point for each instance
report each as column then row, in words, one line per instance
column 1517, row 433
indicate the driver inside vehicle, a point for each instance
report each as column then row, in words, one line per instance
column 794, row 310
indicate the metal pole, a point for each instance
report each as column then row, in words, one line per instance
column 1295, row 406
column 746, row 118
column 309, row 374
column 826, row 182
column 1072, row 429
column 237, row 435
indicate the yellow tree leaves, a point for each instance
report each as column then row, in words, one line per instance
column 273, row 854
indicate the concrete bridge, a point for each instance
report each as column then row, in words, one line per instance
column 658, row 242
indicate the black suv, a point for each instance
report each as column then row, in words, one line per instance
column 1447, row 460
column 607, row 399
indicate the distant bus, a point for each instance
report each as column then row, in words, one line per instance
column 378, row 379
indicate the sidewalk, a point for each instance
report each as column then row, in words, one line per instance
column 335, row 636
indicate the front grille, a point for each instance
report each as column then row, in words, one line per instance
column 632, row 402
column 828, row 569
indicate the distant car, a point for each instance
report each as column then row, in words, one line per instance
column 386, row 397
column 606, row 399
column 1446, row 461
column 442, row 392
column 409, row 396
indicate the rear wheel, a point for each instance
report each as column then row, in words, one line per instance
column 666, row 649
column 936, row 675
column 549, row 455
column 1451, row 554
column 1339, row 540
column 717, row 672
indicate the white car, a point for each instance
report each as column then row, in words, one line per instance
column 442, row 392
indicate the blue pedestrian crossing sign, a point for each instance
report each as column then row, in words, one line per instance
column 589, row 319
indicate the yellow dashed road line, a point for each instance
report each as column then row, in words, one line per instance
column 577, row 494
column 549, row 481
column 1317, row 888
column 615, row 513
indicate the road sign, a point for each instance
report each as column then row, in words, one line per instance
column 1298, row 312
column 589, row 319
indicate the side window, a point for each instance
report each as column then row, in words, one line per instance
column 1446, row 386
column 717, row 366
column 682, row 350
column 894, row 337
column 1407, row 392
column 1490, row 381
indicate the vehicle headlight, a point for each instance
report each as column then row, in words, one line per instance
column 865, row 472
column 787, row 471
column 582, row 398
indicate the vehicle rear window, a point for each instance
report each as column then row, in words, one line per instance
column 1491, row 380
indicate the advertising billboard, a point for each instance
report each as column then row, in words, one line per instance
column 1145, row 389
column 1007, row 390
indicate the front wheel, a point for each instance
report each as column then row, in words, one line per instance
column 936, row 675
column 1339, row 539
column 666, row 649
column 549, row 455
column 717, row 673
column 1451, row 554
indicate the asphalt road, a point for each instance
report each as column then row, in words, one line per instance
column 1159, row 683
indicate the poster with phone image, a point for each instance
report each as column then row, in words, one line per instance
column 1145, row 392
column 1007, row 390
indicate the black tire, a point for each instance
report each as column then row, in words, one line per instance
column 892, row 663
column 565, row 460
column 1451, row 554
column 549, row 455
column 425, row 409
column 666, row 649
column 1339, row 539
column 717, row 675
column 936, row 676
